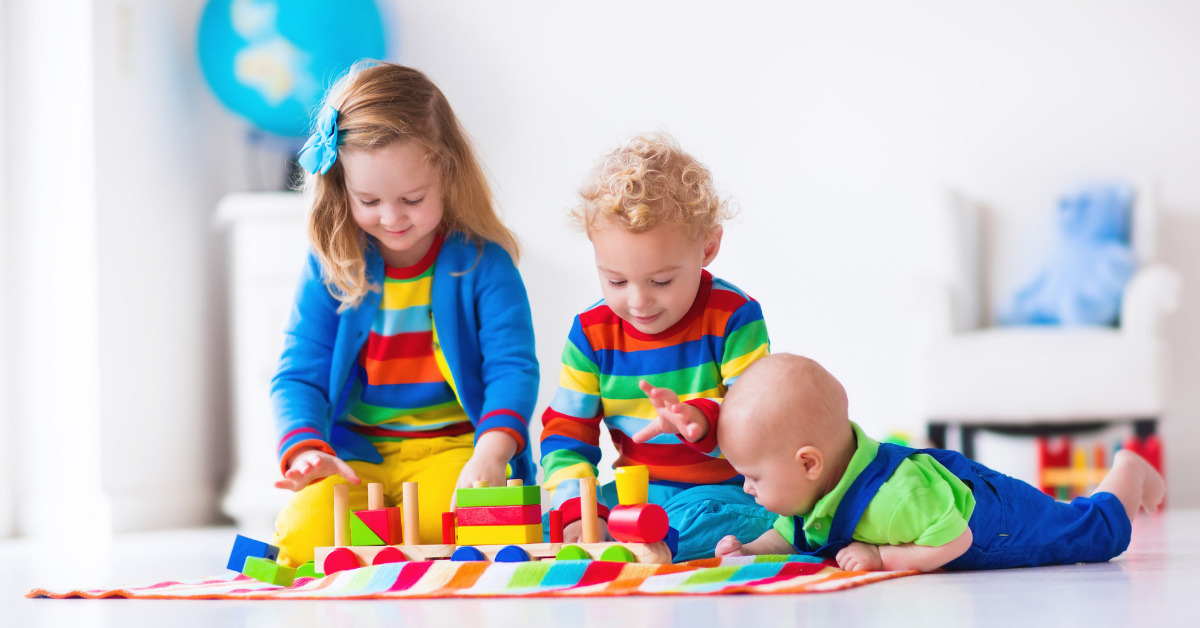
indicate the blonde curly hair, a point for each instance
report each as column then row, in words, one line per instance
column 649, row 182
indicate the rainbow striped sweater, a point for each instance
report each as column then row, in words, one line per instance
column 698, row 358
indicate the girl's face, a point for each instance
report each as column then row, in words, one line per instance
column 396, row 197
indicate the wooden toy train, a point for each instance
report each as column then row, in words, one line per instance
column 502, row 524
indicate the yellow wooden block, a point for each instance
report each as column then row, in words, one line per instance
column 500, row 535
column 633, row 485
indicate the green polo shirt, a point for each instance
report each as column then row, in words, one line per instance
column 921, row 503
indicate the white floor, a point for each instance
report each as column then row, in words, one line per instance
column 1156, row 583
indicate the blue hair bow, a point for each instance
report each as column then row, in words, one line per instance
column 320, row 151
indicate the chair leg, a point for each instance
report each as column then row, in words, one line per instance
column 937, row 435
column 968, row 440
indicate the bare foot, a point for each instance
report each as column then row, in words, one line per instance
column 1133, row 481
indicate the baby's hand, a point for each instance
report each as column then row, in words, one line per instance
column 860, row 557
column 673, row 417
column 310, row 465
column 729, row 546
column 573, row 532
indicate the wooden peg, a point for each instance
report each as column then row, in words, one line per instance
column 341, row 515
column 448, row 537
column 587, row 509
column 556, row 526
column 480, row 484
column 517, row 482
column 412, row 515
column 375, row 496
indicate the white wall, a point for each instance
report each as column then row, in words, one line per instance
column 834, row 126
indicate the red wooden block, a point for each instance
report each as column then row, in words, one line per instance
column 500, row 515
column 639, row 523
column 448, row 537
column 387, row 555
column 388, row 523
column 556, row 526
column 340, row 559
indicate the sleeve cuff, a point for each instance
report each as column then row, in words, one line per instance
column 711, row 410
column 508, row 422
column 285, row 460
column 571, row 510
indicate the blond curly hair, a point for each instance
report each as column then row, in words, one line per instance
column 651, row 181
column 380, row 104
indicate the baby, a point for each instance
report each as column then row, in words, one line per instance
column 877, row 506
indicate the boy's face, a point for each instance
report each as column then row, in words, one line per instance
column 650, row 279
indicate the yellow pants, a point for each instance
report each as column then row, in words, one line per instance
column 306, row 521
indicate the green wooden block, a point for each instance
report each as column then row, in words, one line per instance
column 499, row 496
column 572, row 552
column 361, row 535
column 618, row 554
column 269, row 571
column 308, row 570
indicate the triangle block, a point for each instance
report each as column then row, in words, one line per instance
column 386, row 523
column 361, row 535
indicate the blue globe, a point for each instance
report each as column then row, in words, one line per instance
column 270, row 61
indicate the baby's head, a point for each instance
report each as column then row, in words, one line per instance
column 654, row 219
column 785, row 427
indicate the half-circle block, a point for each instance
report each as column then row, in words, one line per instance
column 618, row 554
column 512, row 554
column 386, row 523
column 639, row 523
column 388, row 555
column 572, row 552
column 340, row 559
column 465, row 554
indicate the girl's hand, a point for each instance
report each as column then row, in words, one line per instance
column 860, row 557
column 573, row 532
column 493, row 450
column 673, row 417
column 310, row 465
column 729, row 546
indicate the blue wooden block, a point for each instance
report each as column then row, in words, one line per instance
column 467, row 553
column 244, row 547
column 512, row 554
column 672, row 541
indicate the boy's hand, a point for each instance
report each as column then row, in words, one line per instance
column 673, row 417
column 573, row 531
column 310, row 465
column 492, row 453
column 860, row 557
column 729, row 546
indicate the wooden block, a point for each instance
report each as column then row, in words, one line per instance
column 587, row 511
column 499, row 496
column 245, row 547
column 556, row 526
column 499, row 535
column 366, row 554
column 448, row 525
column 512, row 554
column 339, row 559
column 672, row 541
column 499, row 515
column 467, row 554
column 633, row 485
column 646, row 553
column 341, row 515
column 308, row 570
column 480, row 484
column 375, row 496
column 572, row 552
column 269, row 571
column 640, row 523
column 412, row 515
column 362, row 534
column 388, row 555
column 618, row 554
column 517, row 482
column 387, row 524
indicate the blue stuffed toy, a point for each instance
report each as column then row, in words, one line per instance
column 1086, row 278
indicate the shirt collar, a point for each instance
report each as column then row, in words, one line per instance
column 863, row 455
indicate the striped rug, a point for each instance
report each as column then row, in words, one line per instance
column 441, row 579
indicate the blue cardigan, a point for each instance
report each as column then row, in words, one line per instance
column 484, row 329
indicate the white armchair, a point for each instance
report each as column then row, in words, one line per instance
column 1041, row 380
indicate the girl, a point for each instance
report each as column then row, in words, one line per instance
column 409, row 355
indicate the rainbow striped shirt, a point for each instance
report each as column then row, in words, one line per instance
column 699, row 358
column 400, row 390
